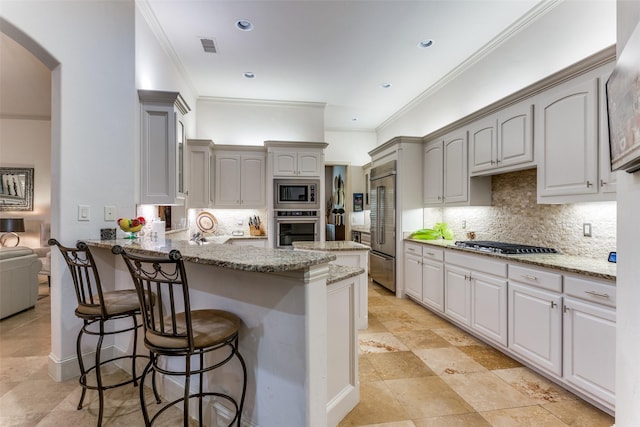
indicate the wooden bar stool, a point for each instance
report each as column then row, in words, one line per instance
column 96, row 308
column 172, row 330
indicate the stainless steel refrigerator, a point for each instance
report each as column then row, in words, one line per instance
column 382, row 258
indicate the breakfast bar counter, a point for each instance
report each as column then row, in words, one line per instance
column 282, row 297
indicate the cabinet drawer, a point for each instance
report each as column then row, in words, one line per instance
column 535, row 277
column 429, row 252
column 589, row 290
column 413, row 248
column 480, row 263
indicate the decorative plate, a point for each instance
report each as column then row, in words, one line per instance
column 206, row 222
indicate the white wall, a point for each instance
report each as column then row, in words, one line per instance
column 349, row 147
column 241, row 122
column 574, row 30
column 628, row 283
column 93, row 128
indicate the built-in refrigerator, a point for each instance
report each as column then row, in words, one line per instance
column 382, row 257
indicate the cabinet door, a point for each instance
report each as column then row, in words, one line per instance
column 608, row 180
column 566, row 134
column 535, row 326
column 483, row 145
column 457, row 294
column 515, row 142
column 589, row 348
column 433, row 284
column 285, row 164
column 456, row 175
column 489, row 307
column 252, row 181
column 228, row 180
column 199, row 179
column 413, row 276
column 433, row 174
column 309, row 163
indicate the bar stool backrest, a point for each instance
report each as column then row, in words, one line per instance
column 86, row 279
column 167, row 323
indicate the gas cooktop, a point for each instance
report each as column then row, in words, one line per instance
column 503, row 248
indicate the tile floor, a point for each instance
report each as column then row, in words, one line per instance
column 416, row 370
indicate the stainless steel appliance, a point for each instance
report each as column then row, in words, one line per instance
column 382, row 257
column 503, row 248
column 296, row 194
column 296, row 226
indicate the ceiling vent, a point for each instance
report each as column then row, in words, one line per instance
column 209, row 45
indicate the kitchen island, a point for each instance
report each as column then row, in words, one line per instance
column 282, row 298
column 348, row 253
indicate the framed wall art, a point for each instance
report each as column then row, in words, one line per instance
column 16, row 189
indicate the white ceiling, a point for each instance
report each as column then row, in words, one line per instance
column 333, row 52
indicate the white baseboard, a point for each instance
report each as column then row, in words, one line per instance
column 63, row 370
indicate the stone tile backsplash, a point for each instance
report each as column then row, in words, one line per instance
column 516, row 217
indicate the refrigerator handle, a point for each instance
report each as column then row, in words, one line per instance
column 381, row 213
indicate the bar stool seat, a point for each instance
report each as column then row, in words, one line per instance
column 97, row 307
column 173, row 329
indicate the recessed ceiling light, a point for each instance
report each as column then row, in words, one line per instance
column 249, row 75
column 354, row 119
column 244, row 25
column 385, row 85
column 425, row 43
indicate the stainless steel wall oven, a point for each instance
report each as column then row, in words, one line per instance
column 296, row 226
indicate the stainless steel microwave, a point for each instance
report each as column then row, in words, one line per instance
column 296, row 194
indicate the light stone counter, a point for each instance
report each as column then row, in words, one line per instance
column 331, row 246
column 247, row 258
column 592, row 267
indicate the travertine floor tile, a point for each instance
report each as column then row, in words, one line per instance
column 380, row 342
column 407, row 423
column 489, row 357
column 367, row 372
column 529, row 416
column 457, row 336
column 375, row 325
column 484, row 391
column 427, row 397
column 459, row 420
column 578, row 413
column 378, row 404
column 418, row 339
column 401, row 364
column 533, row 385
column 449, row 361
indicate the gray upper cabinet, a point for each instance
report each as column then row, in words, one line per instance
column 502, row 142
column 163, row 154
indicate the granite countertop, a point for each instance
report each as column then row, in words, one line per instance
column 246, row 258
column 341, row 272
column 597, row 268
column 336, row 245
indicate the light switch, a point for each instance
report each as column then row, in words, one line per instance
column 109, row 213
column 84, row 212
column 586, row 229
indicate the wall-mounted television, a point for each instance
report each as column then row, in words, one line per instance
column 623, row 107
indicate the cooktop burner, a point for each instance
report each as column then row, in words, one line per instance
column 503, row 248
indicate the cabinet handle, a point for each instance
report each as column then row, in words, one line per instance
column 553, row 304
column 603, row 183
column 493, row 163
column 530, row 277
column 498, row 161
column 589, row 183
column 597, row 294
column 430, row 253
column 566, row 309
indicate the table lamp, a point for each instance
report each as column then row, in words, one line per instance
column 11, row 227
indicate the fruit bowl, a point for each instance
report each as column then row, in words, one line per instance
column 131, row 226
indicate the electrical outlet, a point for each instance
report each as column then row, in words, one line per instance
column 240, row 221
column 586, row 229
column 84, row 213
column 109, row 213
column 464, row 224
